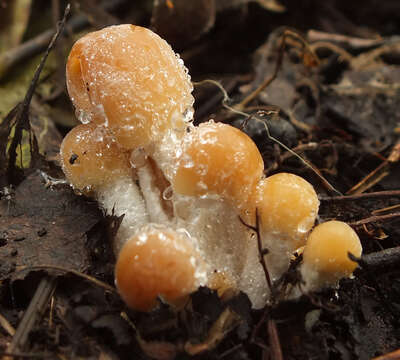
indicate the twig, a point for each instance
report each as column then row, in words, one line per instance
column 349, row 41
column 371, row 179
column 275, row 344
column 365, row 196
column 343, row 54
column 89, row 278
column 385, row 209
column 28, row 355
column 22, row 109
column 32, row 314
column 298, row 149
column 385, row 258
column 375, row 219
column 261, row 251
column 6, row 325
column 286, row 34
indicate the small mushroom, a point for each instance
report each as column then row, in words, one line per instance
column 218, row 159
column 95, row 164
column 325, row 256
column 287, row 208
column 158, row 262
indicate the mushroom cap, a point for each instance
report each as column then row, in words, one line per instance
column 157, row 261
column 218, row 159
column 327, row 248
column 127, row 78
column 288, row 206
column 91, row 159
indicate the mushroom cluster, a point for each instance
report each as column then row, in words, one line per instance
column 185, row 192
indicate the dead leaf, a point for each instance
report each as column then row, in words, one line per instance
column 44, row 226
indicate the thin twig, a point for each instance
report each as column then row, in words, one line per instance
column 22, row 116
column 275, row 344
column 32, row 314
column 27, row 355
column 281, row 52
column 375, row 219
column 385, row 209
column 6, row 325
column 65, row 270
column 344, row 40
column 364, row 196
column 261, row 251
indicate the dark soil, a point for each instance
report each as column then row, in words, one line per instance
column 333, row 98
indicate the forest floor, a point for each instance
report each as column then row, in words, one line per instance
column 324, row 76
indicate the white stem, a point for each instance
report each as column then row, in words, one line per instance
column 222, row 238
column 152, row 195
column 124, row 198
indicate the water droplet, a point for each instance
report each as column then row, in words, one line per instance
column 83, row 117
column 138, row 158
column 168, row 193
column 188, row 114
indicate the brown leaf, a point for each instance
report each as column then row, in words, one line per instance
column 44, row 226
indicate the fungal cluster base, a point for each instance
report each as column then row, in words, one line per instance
column 189, row 194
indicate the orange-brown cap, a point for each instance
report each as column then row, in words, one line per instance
column 157, row 261
column 127, row 78
column 288, row 206
column 91, row 159
column 219, row 159
column 326, row 253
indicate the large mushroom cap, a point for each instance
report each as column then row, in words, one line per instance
column 127, row 78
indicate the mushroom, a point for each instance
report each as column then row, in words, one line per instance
column 287, row 206
column 182, row 189
column 95, row 164
column 218, row 159
column 326, row 255
column 215, row 175
column 127, row 78
column 158, row 262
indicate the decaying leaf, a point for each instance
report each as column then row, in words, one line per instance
column 44, row 226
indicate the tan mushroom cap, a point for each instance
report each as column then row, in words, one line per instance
column 155, row 262
column 288, row 206
column 219, row 159
column 127, row 78
column 327, row 250
column 91, row 159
